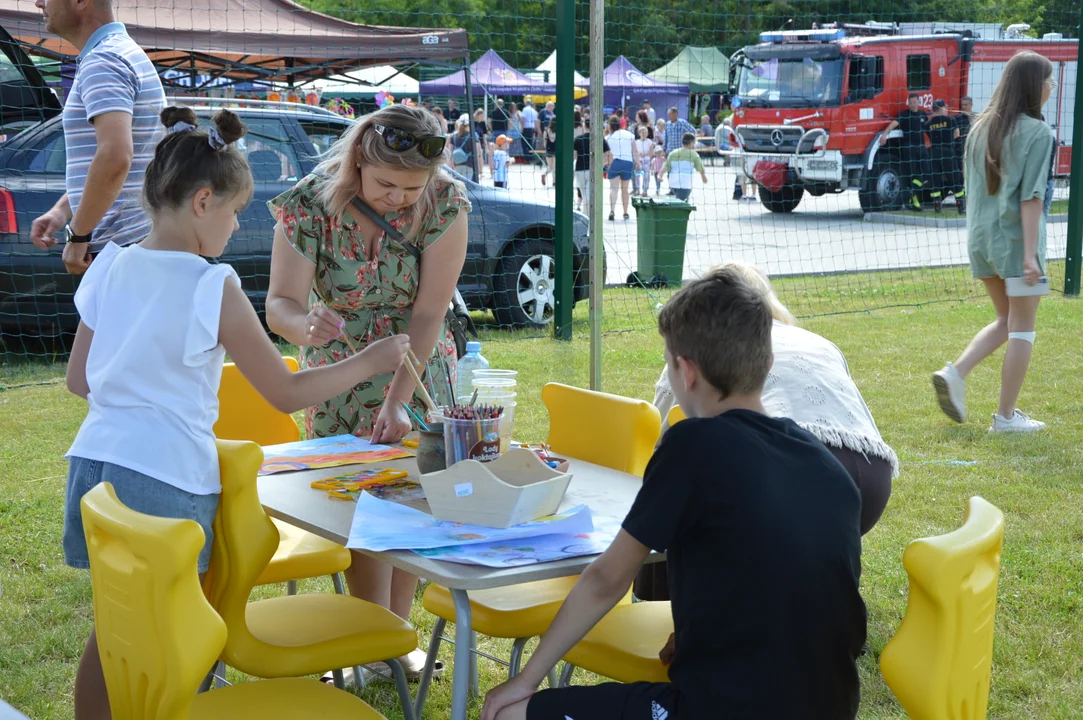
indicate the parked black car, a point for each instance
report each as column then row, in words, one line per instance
column 509, row 263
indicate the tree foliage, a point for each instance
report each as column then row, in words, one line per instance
column 651, row 32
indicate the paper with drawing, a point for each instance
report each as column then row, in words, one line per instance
column 531, row 551
column 326, row 452
column 379, row 525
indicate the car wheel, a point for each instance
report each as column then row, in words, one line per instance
column 526, row 285
column 882, row 189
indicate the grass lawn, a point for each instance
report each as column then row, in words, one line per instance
column 45, row 607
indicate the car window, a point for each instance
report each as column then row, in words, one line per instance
column 269, row 151
column 322, row 134
column 50, row 155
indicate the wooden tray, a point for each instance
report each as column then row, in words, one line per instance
column 515, row 488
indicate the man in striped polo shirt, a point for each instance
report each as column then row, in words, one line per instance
column 111, row 126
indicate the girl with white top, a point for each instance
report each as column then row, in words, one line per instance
column 810, row 383
column 622, row 145
column 156, row 321
column 644, row 156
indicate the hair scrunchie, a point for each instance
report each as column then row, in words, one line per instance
column 215, row 139
column 181, row 127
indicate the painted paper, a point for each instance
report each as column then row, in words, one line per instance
column 326, row 452
column 379, row 525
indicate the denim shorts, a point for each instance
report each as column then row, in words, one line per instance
column 139, row 492
column 621, row 169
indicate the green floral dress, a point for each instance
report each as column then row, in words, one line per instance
column 374, row 298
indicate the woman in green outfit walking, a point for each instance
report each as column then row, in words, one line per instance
column 1007, row 161
column 335, row 274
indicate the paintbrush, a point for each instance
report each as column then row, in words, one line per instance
column 421, row 425
column 344, row 333
column 412, row 369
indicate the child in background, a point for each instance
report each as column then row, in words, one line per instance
column 764, row 550
column 156, row 321
column 680, row 165
column 499, row 163
column 658, row 163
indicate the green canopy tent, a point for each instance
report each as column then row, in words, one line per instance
column 702, row 69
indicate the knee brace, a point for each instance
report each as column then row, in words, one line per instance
column 1027, row 336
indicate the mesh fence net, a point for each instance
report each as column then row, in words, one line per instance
column 803, row 157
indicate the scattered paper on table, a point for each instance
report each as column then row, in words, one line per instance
column 326, row 452
column 379, row 525
column 531, row 551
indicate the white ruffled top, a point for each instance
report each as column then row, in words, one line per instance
column 155, row 364
column 810, row 383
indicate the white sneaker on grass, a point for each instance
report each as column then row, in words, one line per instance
column 1019, row 422
column 951, row 392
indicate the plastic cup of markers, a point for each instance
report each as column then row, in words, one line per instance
column 471, row 440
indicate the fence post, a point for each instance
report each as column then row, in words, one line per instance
column 1075, row 193
column 563, row 247
column 594, row 202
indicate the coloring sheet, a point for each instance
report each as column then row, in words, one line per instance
column 326, row 452
column 531, row 551
column 380, row 525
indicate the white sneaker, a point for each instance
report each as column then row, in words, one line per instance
column 951, row 392
column 1019, row 422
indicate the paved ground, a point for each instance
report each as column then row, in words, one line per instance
column 825, row 234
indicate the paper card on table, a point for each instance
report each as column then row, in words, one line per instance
column 326, row 452
column 379, row 525
column 531, row 551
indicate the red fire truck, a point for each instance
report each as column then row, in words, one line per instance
column 810, row 106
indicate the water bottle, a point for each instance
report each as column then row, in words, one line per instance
column 471, row 361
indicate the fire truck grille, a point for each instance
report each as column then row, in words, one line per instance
column 770, row 139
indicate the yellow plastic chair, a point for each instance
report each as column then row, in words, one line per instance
column 244, row 414
column 603, row 429
column 157, row 634
column 675, row 415
column 296, row 634
column 940, row 660
column 624, row 645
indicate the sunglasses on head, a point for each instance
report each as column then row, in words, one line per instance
column 401, row 141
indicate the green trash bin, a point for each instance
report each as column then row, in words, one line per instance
column 662, row 225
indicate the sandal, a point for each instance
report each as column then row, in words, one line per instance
column 414, row 665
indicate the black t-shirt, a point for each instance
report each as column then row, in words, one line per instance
column 912, row 125
column 760, row 524
column 582, row 151
column 941, row 131
column 499, row 120
column 963, row 123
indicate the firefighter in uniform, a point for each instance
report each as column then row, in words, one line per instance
column 915, row 160
column 943, row 135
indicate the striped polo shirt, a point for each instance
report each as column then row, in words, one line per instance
column 114, row 75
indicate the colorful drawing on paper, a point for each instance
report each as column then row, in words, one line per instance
column 379, row 526
column 384, row 483
column 531, row 551
column 326, row 452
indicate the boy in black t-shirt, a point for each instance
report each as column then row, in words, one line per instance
column 760, row 524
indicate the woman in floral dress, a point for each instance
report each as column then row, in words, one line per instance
column 335, row 273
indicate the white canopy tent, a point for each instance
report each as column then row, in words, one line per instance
column 367, row 81
column 550, row 66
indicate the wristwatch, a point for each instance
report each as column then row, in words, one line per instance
column 73, row 238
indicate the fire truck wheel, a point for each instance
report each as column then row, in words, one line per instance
column 784, row 200
column 882, row 189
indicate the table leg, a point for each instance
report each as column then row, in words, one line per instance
column 473, row 664
column 460, row 680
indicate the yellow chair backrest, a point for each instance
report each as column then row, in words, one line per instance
column 243, row 414
column 603, row 429
column 675, row 415
column 157, row 634
column 939, row 662
column 244, row 541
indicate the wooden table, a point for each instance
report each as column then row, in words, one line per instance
column 289, row 497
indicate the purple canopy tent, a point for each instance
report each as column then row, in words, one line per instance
column 488, row 75
column 626, row 86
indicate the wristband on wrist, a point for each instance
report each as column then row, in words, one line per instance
column 73, row 238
